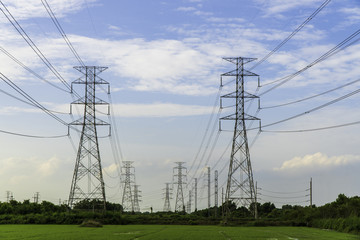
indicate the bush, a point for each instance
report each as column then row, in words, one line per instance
column 90, row 223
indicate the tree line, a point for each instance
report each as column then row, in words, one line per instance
column 343, row 214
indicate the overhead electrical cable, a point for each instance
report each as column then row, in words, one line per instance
column 207, row 146
column 206, row 129
column 29, row 103
column 341, row 46
column 312, row 129
column 61, row 30
column 33, row 46
column 292, row 34
column 32, row 136
column 311, row 97
column 30, row 70
column 292, row 192
column 283, row 197
column 30, row 99
column 315, row 109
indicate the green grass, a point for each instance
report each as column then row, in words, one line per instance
column 161, row 232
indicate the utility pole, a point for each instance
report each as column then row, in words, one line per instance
column 209, row 186
column 128, row 179
column 167, row 207
column 87, row 182
column 240, row 184
column 216, row 192
column 311, row 193
column 178, row 172
column 136, row 198
column 195, row 195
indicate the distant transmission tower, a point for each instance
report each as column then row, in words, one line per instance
column 189, row 203
column 128, row 179
column 180, row 181
column 167, row 207
column 88, row 182
column 195, row 195
column 36, row 197
column 216, row 190
column 240, row 184
column 136, row 198
column 208, row 186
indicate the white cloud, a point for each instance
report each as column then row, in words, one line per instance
column 317, row 160
column 49, row 167
column 274, row 7
column 25, row 9
column 186, row 9
column 225, row 20
column 352, row 14
column 111, row 168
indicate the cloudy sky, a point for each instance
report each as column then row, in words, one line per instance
column 165, row 62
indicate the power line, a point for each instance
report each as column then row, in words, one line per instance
column 276, row 192
column 30, row 70
column 61, row 30
column 341, row 46
column 32, row 136
column 30, row 99
column 313, row 129
column 315, row 109
column 282, row 197
column 33, row 46
column 292, row 34
column 29, row 103
column 313, row 96
column 206, row 130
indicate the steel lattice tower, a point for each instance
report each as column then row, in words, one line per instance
column 88, row 182
column 136, row 198
column 195, row 195
column 128, row 179
column 208, row 186
column 181, row 177
column 240, row 184
column 189, row 203
column 167, row 207
column 216, row 191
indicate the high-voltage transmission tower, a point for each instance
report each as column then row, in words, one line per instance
column 188, row 210
column 88, row 182
column 216, row 191
column 195, row 195
column 208, row 186
column 180, row 177
column 136, row 198
column 240, row 184
column 128, row 177
column 167, row 207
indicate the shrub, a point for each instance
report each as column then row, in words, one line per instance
column 90, row 223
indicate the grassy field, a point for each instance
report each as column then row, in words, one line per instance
column 161, row 232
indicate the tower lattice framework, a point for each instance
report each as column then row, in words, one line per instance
column 181, row 178
column 216, row 189
column 137, row 198
column 88, row 182
column 167, row 207
column 128, row 180
column 240, row 184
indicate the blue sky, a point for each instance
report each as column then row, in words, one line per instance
column 165, row 61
